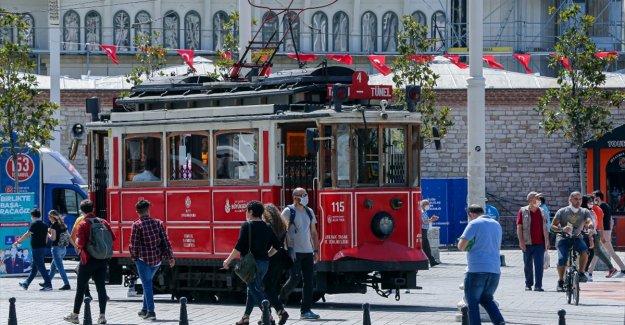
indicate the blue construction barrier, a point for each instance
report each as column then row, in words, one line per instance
column 448, row 200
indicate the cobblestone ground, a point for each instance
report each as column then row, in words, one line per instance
column 602, row 301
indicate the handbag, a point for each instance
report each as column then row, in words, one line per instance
column 246, row 269
column 546, row 260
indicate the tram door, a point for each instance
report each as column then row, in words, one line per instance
column 98, row 171
column 300, row 167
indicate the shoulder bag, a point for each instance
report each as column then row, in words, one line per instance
column 246, row 269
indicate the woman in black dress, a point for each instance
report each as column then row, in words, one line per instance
column 276, row 262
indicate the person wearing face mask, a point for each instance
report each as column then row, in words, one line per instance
column 531, row 229
column 569, row 222
column 302, row 239
column 594, row 242
column 605, row 232
column 426, row 223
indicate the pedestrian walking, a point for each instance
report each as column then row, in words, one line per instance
column 277, row 263
column 39, row 233
column 594, row 242
column 60, row 237
column 569, row 222
column 303, row 246
column 605, row 233
column 531, row 229
column 149, row 246
column 482, row 241
column 94, row 238
column 258, row 239
column 78, row 220
column 426, row 224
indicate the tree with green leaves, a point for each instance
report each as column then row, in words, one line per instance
column 579, row 109
column 25, row 120
column 413, row 41
column 228, row 54
column 151, row 56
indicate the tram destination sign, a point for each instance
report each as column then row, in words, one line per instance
column 360, row 88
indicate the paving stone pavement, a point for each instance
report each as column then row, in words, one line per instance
column 601, row 302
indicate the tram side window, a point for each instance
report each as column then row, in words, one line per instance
column 188, row 157
column 236, row 155
column 342, row 155
column 394, row 155
column 143, row 158
column 367, row 156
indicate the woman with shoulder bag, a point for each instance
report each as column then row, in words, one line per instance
column 255, row 238
column 278, row 263
column 60, row 238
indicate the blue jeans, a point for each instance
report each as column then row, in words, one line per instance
column 534, row 256
column 39, row 265
column 146, row 274
column 479, row 289
column 57, row 263
column 564, row 244
column 255, row 292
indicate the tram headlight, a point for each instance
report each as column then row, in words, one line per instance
column 382, row 225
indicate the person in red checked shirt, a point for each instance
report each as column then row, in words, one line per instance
column 90, row 267
column 149, row 246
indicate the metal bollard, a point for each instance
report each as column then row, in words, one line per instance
column 87, row 318
column 266, row 312
column 12, row 314
column 561, row 320
column 184, row 319
column 465, row 315
column 366, row 315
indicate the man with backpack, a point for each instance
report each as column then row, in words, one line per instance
column 303, row 242
column 94, row 240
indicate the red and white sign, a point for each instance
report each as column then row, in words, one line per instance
column 360, row 88
column 25, row 167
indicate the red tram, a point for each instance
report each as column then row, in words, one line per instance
column 212, row 146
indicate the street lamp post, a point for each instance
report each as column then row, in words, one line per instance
column 55, row 66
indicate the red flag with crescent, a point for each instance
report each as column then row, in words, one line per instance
column 343, row 58
column 266, row 71
column 610, row 56
column 421, row 59
column 379, row 63
column 564, row 61
column 187, row 56
column 525, row 61
column 111, row 52
column 490, row 60
column 455, row 59
column 303, row 57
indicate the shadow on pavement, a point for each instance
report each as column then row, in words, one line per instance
column 386, row 308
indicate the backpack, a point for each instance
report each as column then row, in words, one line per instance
column 63, row 239
column 100, row 245
column 292, row 218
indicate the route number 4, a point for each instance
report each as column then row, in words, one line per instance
column 338, row 206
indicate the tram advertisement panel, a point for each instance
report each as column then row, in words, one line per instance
column 188, row 206
column 336, row 233
column 191, row 240
column 129, row 200
column 231, row 205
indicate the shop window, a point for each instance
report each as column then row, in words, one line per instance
column 142, row 156
column 188, row 157
column 236, row 155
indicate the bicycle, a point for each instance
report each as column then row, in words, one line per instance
column 571, row 275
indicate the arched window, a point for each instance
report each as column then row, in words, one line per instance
column 270, row 27
column 289, row 46
column 319, row 32
column 192, row 30
column 171, row 30
column 420, row 17
column 219, row 30
column 369, row 32
column 6, row 34
column 143, row 25
column 71, row 31
column 390, row 27
column 121, row 30
column 93, row 30
column 439, row 30
column 340, row 32
column 27, row 35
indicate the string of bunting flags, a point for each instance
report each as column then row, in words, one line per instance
column 379, row 61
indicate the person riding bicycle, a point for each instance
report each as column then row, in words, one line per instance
column 569, row 222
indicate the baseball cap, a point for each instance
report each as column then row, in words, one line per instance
column 532, row 194
column 142, row 204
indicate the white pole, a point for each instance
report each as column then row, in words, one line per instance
column 55, row 67
column 476, row 151
column 245, row 27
